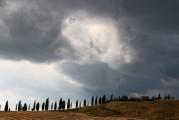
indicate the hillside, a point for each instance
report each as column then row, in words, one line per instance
column 151, row 110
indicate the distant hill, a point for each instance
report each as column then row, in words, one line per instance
column 150, row 110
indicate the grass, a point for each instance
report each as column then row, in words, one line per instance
column 151, row 110
column 115, row 110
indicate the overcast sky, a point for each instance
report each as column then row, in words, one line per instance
column 79, row 48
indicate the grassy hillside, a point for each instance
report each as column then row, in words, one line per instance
column 151, row 110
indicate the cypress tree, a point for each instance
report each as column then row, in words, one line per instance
column 43, row 105
column 52, row 106
column 37, row 106
column 96, row 100
column 80, row 104
column 55, row 106
column 16, row 108
column 100, row 100
column 68, row 104
column 24, row 108
column 84, row 103
column 76, row 103
column 159, row 97
column 29, row 108
column 92, row 101
column 63, row 105
column 19, row 106
column 71, row 105
column 34, row 105
column 47, row 104
column 60, row 104
column 104, row 99
column 6, row 106
column 111, row 97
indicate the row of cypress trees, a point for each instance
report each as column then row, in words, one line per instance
column 60, row 106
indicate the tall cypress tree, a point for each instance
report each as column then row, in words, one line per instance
column 60, row 104
column 63, row 105
column 43, row 105
column 96, row 100
column 19, row 106
column 6, row 106
column 100, row 100
column 68, row 104
column 71, row 105
column 92, row 101
column 159, row 97
column 47, row 104
column 84, row 103
column 34, row 105
column 29, row 108
column 76, row 103
column 80, row 104
column 52, row 106
column 104, row 99
column 16, row 108
column 111, row 96
column 24, row 108
column 55, row 106
column 37, row 106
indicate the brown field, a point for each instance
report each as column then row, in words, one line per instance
column 116, row 110
column 149, row 110
column 53, row 116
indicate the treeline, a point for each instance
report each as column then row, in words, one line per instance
column 95, row 100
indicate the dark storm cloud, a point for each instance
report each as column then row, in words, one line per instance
column 33, row 36
column 131, row 78
column 35, row 32
column 149, row 28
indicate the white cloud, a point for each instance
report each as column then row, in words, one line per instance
column 27, row 81
column 95, row 39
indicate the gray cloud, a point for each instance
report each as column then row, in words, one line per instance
column 32, row 36
column 148, row 30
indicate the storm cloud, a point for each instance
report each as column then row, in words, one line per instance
column 99, row 46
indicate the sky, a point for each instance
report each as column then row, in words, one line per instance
column 66, row 49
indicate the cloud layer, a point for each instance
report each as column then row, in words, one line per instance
column 104, row 46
